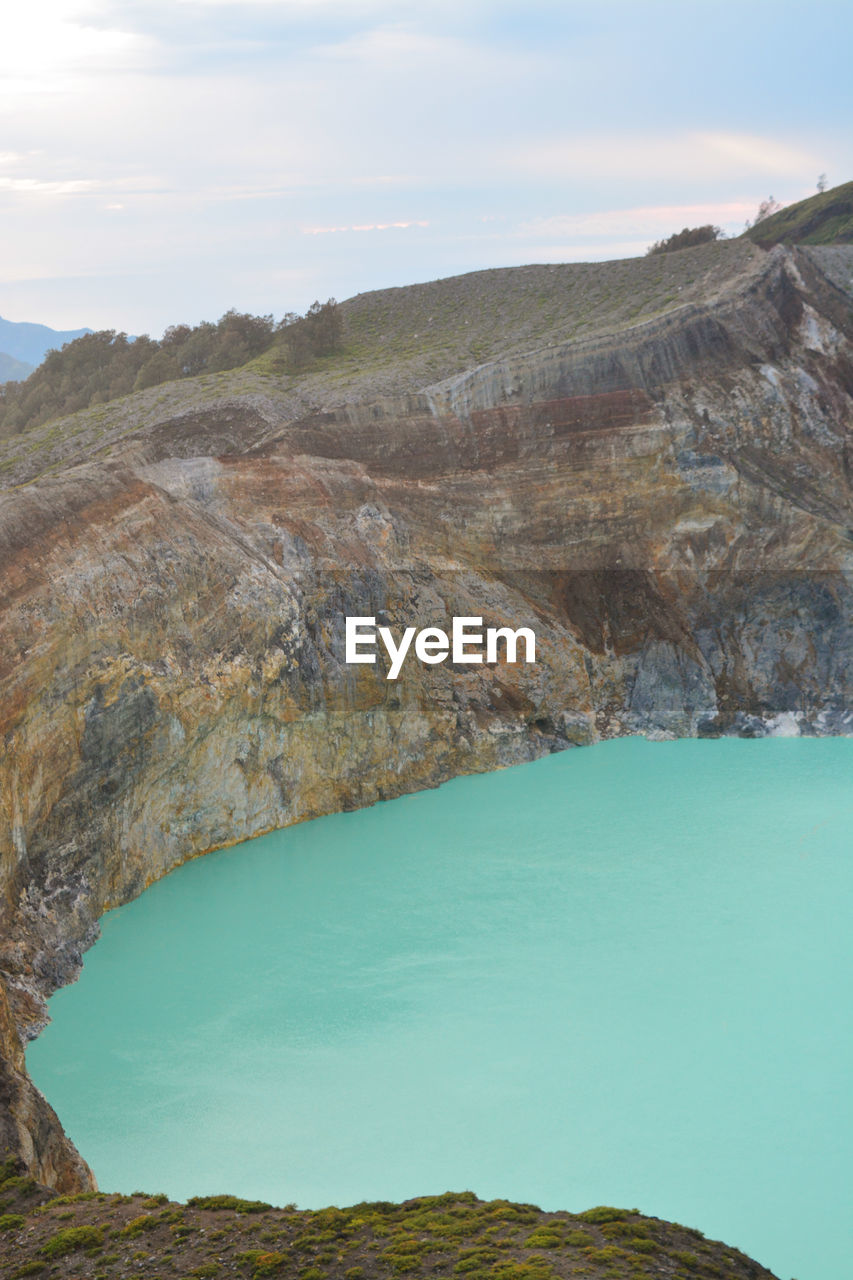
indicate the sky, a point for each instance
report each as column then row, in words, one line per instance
column 164, row 160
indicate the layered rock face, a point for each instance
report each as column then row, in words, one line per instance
column 668, row 508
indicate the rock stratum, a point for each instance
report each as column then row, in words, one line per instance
column 662, row 492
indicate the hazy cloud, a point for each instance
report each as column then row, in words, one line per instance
column 706, row 155
column 369, row 226
column 247, row 146
column 653, row 220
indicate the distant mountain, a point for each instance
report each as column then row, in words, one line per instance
column 12, row 370
column 31, row 342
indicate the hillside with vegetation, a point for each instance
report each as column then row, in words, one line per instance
column 383, row 343
column 97, row 368
column 420, row 332
column 823, row 219
column 452, row 1235
column 392, row 339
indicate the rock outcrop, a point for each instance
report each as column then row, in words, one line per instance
column 668, row 507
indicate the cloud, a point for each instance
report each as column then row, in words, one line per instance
column 45, row 45
column 707, row 156
column 246, row 139
column 283, row 6
column 26, row 184
column 368, row 226
column 645, row 220
column 37, row 186
column 387, row 44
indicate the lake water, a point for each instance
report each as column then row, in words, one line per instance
column 620, row 975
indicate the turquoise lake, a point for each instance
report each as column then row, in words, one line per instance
column 620, row 975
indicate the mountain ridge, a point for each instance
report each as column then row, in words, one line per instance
column 480, row 315
column 402, row 340
column 12, row 370
column 665, row 500
column 30, row 342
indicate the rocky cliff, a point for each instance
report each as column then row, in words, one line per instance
column 665, row 501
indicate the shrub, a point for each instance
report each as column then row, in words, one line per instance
column 24, row 1186
column 544, row 1237
column 622, row 1228
column 473, row 1259
column 136, row 1226
column 403, row 1262
column 610, row 1253
column 263, row 1263
column 268, row 1263
column 535, row 1268
column 512, row 1213
column 71, row 1238
column 579, row 1239
column 229, row 1202
column 688, row 238
column 11, row 1221
column 765, row 210
column 317, row 333
column 80, row 1198
column 604, row 1213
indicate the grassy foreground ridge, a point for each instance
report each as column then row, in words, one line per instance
column 144, row 1237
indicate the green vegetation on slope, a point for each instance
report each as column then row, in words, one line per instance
column 119, row 1237
column 826, row 218
column 398, row 341
column 101, row 367
column 438, row 329
column 688, row 238
column 419, row 334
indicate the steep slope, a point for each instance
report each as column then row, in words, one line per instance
column 823, row 219
column 665, row 502
column 396, row 341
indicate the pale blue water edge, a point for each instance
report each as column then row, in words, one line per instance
column 619, row 975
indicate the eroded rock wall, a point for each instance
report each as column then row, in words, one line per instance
column 669, row 509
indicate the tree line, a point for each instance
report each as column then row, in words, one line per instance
column 686, row 239
column 103, row 366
